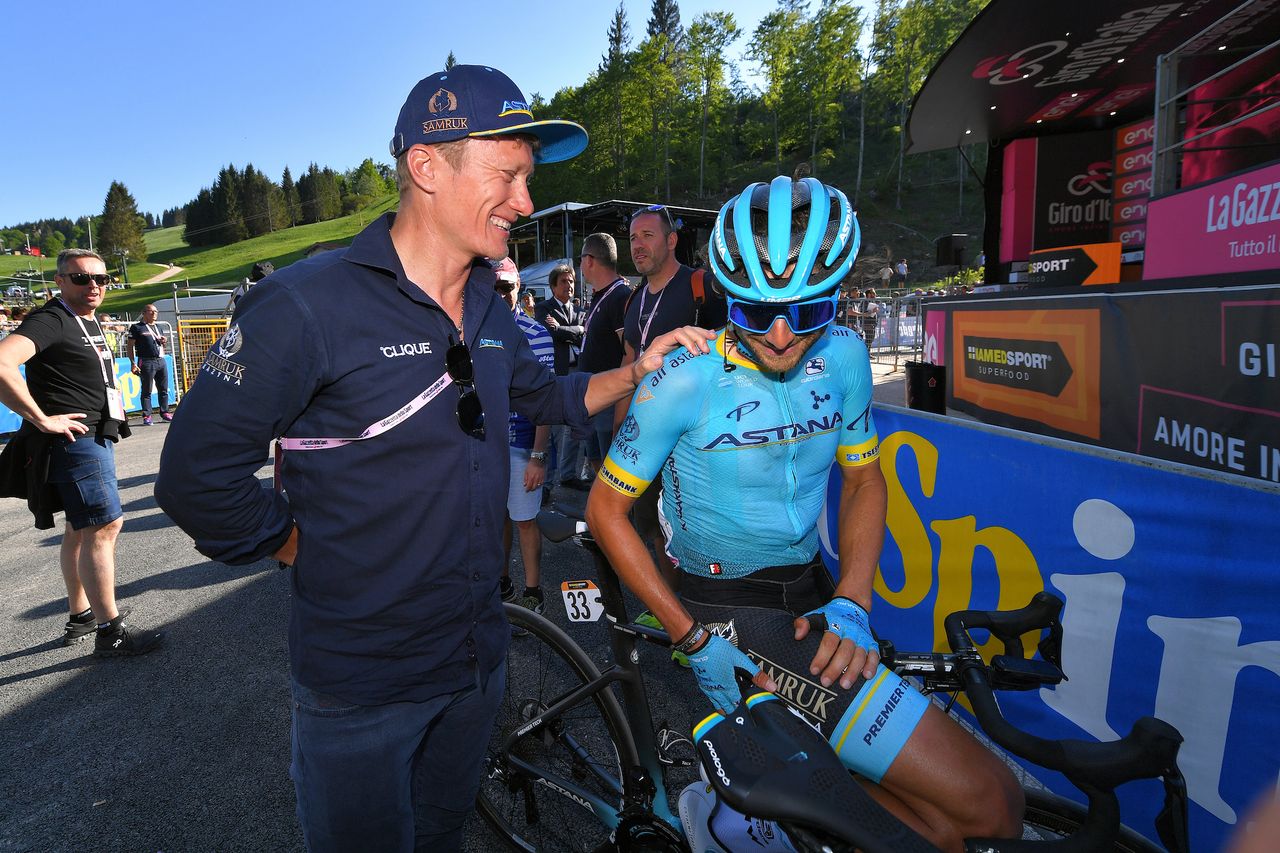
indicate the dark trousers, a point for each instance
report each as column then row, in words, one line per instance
column 390, row 778
column 154, row 370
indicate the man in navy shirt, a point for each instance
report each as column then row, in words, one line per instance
column 390, row 368
column 146, row 351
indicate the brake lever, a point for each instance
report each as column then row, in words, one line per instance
column 1171, row 823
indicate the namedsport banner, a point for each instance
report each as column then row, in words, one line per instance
column 1168, row 574
column 1188, row 375
column 128, row 384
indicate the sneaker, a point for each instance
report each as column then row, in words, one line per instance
column 75, row 630
column 165, row 416
column 531, row 602
column 146, row 420
column 120, row 639
column 507, row 589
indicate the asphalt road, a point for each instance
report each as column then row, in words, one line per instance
column 185, row 749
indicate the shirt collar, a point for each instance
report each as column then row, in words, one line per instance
column 373, row 248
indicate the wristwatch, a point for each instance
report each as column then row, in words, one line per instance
column 537, row 456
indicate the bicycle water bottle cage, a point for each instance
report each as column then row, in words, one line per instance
column 765, row 761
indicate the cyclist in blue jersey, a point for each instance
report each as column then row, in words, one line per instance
column 744, row 443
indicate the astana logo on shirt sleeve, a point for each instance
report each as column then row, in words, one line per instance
column 231, row 342
column 218, row 360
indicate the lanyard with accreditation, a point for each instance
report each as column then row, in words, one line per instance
column 377, row 427
column 115, row 400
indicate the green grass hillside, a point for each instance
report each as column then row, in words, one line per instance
column 218, row 266
column 164, row 239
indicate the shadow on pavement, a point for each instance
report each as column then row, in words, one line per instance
column 186, row 748
column 194, row 576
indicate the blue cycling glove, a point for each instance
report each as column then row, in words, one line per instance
column 849, row 621
column 713, row 666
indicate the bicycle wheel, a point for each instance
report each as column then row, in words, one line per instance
column 1049, row 817
column 585, row 746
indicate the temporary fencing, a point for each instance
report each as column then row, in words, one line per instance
column 195, row 339
column 891, row 328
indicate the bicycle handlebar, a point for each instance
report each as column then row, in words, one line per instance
column 1148, row 751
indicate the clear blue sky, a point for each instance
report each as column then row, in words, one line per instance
column 162, row 95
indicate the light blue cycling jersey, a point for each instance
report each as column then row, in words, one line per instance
column 746, row 453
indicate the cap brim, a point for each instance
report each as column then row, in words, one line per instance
column 559, row 140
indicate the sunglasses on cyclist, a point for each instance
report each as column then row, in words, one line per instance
column 82, row 279
column 672, row 223
column 801, row 317
column 457, row 361
column 504, row 286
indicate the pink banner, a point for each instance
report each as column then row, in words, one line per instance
column 935, row 337
column 1228, row 226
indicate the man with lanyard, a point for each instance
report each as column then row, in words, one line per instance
column 602, row 346
column 146, row 352
column 664, row 300
column 70, row 407
column 396, row 494
column 751, row 436
column 528, row 455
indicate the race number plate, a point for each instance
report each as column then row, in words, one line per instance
column 581, row 601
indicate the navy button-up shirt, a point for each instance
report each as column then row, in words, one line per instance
column 395, row 586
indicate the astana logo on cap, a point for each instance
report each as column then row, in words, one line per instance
column 443, row 101
column 509, row 107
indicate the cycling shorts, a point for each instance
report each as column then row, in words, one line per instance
column 868, row 724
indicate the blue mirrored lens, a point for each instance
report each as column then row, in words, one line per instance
column 801, row 317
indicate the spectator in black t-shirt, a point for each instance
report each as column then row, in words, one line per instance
column 146, row 352
column 663, row 301
column 602, row 346
column 72, row 411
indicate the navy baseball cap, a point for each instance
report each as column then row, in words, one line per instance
column 478, row 101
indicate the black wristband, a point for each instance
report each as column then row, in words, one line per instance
column 696, row 634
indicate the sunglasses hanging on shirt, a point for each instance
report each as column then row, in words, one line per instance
column 457, row 360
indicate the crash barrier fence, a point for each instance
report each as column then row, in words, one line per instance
column 195, row 338
column 891, row 328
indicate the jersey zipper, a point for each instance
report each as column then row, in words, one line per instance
column 784, row 401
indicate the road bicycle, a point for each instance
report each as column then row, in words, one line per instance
column 574, row 763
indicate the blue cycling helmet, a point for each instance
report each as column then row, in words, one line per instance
column 762, row 230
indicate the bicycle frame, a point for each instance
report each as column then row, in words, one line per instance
column 642, row 787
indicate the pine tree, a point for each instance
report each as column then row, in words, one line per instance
column 121, row 226
column 613, row 71
column 229, row 224
column 450, row 61
column 289, row 198
column 664, row 19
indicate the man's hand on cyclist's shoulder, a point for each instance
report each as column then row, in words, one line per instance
column 692, row 338
column 848, row 649
column 713, row 664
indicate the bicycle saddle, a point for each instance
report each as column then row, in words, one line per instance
column 766, row 761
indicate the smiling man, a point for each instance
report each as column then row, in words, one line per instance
column 390, row 368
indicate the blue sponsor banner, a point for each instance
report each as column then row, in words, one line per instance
column 1169, row 577
column 129, row 385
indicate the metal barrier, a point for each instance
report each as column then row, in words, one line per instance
column 891, row 328
column 195, row 338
